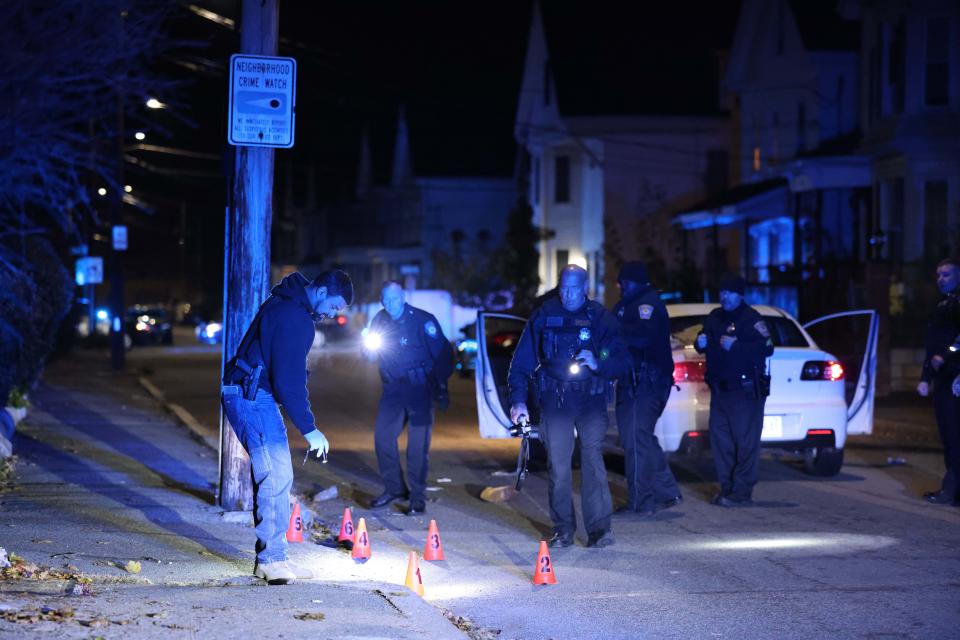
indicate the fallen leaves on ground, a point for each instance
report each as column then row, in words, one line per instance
column 132, row 566
column 310, row 616
column 21, row 569
column 33, row 615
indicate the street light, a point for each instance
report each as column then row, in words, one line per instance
column 102, row 191
column 140, row 135
column 127, row 188
column 153, row 103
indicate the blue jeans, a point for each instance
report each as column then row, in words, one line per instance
column 261, row 431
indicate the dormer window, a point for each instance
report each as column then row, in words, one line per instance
column 547, row 97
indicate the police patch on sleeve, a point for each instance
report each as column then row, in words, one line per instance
column 645, row 311
column 430, row 328
column 762, row 329
column 584, row 334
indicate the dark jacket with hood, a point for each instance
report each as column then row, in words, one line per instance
column 280, row 337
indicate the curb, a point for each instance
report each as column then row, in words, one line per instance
column 182, row 415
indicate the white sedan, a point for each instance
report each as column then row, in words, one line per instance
column 817, row 397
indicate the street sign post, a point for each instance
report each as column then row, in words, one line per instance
column 120, row 237
column 262, row 101
column 89, row 270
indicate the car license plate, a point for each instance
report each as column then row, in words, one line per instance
column 772, row 427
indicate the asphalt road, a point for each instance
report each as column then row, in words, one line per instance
column 854, row 556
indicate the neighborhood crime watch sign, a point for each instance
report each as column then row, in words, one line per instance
column 262, row 101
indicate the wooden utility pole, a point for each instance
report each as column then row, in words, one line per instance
column 246, row 276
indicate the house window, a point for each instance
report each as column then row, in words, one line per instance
column 561, row 179
column 536, row 181
column 893, row 218
column 546, row 83
column 756, row 158
column 563, row 259
column 715, row 178
column 936, row 72
column 897, row 65
column 781, row 27
column 801, row 127
column 935, row 224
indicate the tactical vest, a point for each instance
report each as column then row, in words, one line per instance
column 561, row 338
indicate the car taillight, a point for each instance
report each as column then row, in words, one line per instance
column 688, row 371
column 822, row 370
column 341, row 320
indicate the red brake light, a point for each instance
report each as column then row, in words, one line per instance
column 689, row 371
column 819, row 432
column 822, row 370
column 341, row 320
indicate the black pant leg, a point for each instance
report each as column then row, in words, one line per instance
column 595, row 500
column 947, row 409
column 627, row 429
column 558, row 438
column 419, row 428
column 389, row 424
column 747, row 426
column 655, row 479
column 721, row 440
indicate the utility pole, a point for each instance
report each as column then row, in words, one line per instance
column 246, row 277
column 118, row 350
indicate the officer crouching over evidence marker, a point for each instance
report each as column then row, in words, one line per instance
column 416, row 361
column 270, row 369
column 574, row 348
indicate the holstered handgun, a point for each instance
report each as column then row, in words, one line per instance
column 251, row 378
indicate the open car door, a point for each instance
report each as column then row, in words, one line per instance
column 852, row 337
column 497, row 338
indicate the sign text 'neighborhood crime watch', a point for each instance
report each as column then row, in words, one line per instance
column 262, row 101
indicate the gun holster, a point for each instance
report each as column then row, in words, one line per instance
column 250, row 380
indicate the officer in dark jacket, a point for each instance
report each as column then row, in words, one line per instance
column 415, row 362
column 643, row 393
column 573, row 345
column 940, row 367
column 737, row 343
column 270, row 369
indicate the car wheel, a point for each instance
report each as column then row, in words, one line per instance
column 823, row 461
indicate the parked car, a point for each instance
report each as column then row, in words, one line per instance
column 148, row 325
column 465, row 351
column 817, row 397
column 210, row 332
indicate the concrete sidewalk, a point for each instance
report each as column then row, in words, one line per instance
column 103, row 478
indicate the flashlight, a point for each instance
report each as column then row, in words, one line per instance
column 372, row 341
column 575, row 368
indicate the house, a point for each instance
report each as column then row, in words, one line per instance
column 609, row 153
column 800, row 193
column 830, row 213
column 396, row 220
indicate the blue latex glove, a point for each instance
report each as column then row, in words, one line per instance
column 317, row 440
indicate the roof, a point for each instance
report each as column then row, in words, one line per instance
column 736, row 195
column 822, row 28
column 649, row 58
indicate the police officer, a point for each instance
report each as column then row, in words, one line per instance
column 573, row 345
column 270, row 369
column 415, row 362
column 643, row 393
column 737, row 343
column 940, row 366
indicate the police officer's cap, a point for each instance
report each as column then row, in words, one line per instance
column 634, row 272
column 733, row 283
